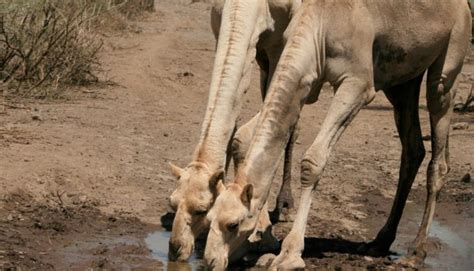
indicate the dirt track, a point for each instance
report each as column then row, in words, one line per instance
column 84, row 181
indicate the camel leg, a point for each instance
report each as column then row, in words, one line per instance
column 283, row 211
column 440, row 95
column 350, row 97
column 405, row 99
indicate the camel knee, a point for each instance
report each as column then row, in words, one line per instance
column 311, row 170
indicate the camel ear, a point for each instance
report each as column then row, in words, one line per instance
column 216, row 177
column 177, row 171
column 247, row 194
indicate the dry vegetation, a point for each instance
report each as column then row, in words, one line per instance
column 49, row 45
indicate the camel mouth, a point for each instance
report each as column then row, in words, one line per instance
column 158, row 244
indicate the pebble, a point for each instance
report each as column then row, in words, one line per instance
column 466, row 178
column 368, row 259
column 35, row 114
column 461, row 126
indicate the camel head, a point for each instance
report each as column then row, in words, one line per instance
column 197, row 190
column 231, row 224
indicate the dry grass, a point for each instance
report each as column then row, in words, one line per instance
column 48, row 45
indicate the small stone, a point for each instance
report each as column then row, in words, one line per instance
column 368, row 259
column 349, row 167
column 461, row 126
column 10, row 217
column 466, row 178
column 426, row 138
column 36, row 116
column 165, row 134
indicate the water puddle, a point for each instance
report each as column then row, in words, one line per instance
column 157, row 242
column 456, row 253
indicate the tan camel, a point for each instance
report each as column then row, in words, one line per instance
column 359, row 47
column 245, row 30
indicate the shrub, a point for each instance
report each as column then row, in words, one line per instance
column 48, row 45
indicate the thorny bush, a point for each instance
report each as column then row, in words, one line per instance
column 49, row 45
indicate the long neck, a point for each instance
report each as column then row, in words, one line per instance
column 236, row 48
column 301, row 63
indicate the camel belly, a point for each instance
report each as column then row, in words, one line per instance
column 408, row 41
column 394, row 64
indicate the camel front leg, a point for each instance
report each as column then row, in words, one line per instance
column 283, row 211
column 350, row 97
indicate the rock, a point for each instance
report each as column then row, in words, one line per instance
column 461, row 126
column 466, row 178
column 10, row 217
column 36, row 116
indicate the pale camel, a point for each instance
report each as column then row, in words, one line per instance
column 245, row 30
column 359, row 47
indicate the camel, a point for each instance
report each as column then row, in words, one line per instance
column 359, row 47
column 244, row 30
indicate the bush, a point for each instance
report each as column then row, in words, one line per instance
column 48, row 45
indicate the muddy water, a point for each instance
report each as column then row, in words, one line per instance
column 455, row 252
column 157, row 242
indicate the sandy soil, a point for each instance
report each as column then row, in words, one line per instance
column 84, row 180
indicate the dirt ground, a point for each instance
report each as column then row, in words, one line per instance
column 83, row 181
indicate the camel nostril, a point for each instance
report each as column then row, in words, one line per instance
column 211, row 263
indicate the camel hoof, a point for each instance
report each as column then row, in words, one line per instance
column 265, row 260
column 373, row 249
column 263, row 241
column 410, row 261
column 287, row 261
column 414, row 258
column 282, row 215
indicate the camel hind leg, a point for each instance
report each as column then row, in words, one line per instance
column 440, row 95
column 404, row 98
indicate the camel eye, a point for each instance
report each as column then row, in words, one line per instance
column 232, row 226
